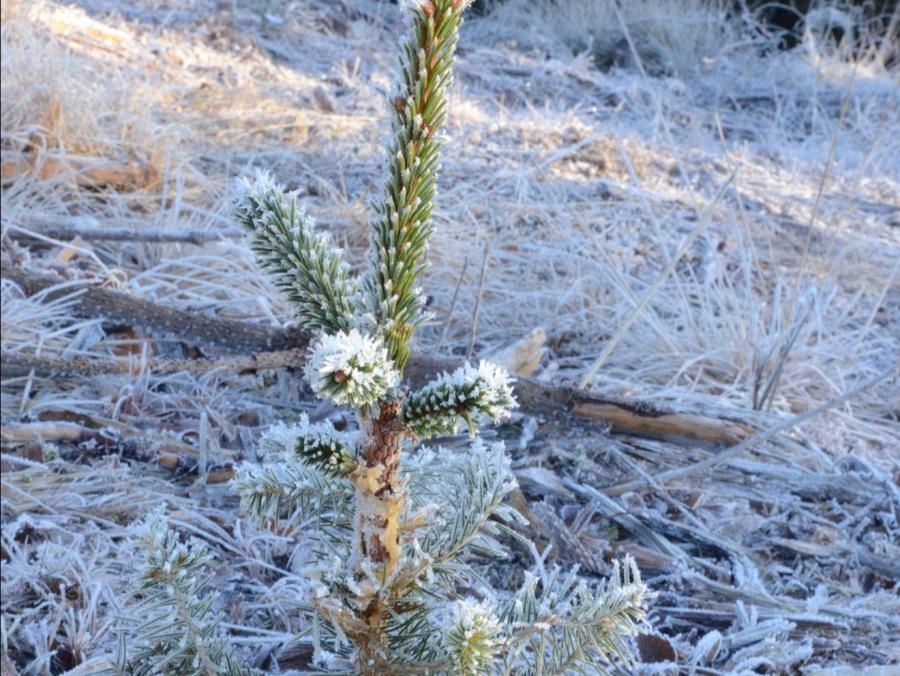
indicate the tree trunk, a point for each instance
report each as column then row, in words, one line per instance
column 380, row 507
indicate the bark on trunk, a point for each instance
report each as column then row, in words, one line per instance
column 380, row 493
column 380, row 507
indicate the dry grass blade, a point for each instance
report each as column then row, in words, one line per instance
column 683, row 247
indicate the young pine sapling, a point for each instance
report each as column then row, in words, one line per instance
column 390, row 582
column 173, row 630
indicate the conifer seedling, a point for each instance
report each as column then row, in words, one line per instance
column 395, row 536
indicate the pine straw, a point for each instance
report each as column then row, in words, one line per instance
column 585, row 184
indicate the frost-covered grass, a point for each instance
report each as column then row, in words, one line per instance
column 723, row 235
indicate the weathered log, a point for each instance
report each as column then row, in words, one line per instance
column 157, row 235
column 227, row 335
column 18, row 365
column 104, row 436
column 265, row 347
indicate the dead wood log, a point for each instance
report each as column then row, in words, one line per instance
column 623, row 416
column 271, row 348
column 750, row 440
column 18, row 365
column 228, row 335
column 32, row 436
column 659, row 423
column 158, row 235
column 93, row 436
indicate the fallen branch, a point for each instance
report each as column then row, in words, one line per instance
column 18, row 365
column 885, row 565
column 227, row 335
column 277, row 348
column 69, row 232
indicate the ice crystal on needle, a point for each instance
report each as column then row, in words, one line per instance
column 303, row 263
column 317, row 444
column 177, row 632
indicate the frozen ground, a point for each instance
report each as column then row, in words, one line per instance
column 701, row 226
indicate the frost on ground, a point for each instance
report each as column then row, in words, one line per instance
column 694, row 224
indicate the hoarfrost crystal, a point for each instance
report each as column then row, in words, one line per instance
column 319, row 444
column 350, row 368
column 472, row 636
